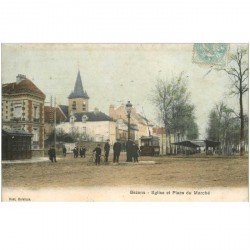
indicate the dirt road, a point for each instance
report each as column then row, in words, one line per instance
column 194, row 172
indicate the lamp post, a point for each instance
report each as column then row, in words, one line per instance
column 129, row 146
column 129, row 109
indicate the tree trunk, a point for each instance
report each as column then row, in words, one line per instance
column 170, row 141
column 242, row 141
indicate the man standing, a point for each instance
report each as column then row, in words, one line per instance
column 135, row 152
column 117, row 150
column 129, row 149
column 98, row 152
column 106, row 150
column 64, row 151
column 81, row 152
column 52, row 154
column 84, row 151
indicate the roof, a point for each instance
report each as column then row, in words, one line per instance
column 49, row 114
column 150, row 137
column 24, row 87
column 92, row 116
column 197, row 143
column 65, row 109
column 78, row 89
column 10, row 132
column 159, row 130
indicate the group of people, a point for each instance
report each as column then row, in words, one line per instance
column 98, row 152
column 79, row 151
column 131, row 147
column 132, row 152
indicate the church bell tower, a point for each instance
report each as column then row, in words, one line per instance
column 78, row 99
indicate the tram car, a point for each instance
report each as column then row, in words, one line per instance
column 150, row 146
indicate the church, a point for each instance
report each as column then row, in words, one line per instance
column 91, row 125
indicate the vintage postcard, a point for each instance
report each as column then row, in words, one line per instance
column 125, row 122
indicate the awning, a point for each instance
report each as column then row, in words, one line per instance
column 198, row 143
column 189, row 144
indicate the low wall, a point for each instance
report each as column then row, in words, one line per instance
column 37, row 153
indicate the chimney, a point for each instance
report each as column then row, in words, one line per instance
column 112, row 111
column 96, row 110
column 20, row 77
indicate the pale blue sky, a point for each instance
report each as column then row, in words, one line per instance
column 113, row 74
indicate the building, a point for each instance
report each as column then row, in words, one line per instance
column 122, row 132
column 16, row 145
column 142, row 125
column 90, row 125
column 23, row 110
column 49, row 118
column 78, row 99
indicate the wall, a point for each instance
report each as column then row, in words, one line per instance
column 99, row 130
column 27, row 121
column 79, row 105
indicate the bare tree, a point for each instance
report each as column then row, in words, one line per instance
column 238, row 73
column 172, row 101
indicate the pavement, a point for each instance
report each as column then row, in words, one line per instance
column 33, row 160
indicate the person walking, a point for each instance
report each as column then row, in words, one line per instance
column 117, row 150
column 98, row 152
column 64, row 151
column 52, row 154
column 106, row 150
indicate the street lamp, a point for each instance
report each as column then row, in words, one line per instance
column 128, row 109
column 129, row 146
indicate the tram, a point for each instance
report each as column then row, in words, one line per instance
column 150, row 146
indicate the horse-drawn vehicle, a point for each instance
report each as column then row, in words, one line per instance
column 150, row 146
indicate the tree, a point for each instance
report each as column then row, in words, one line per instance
column 238, row 73
column 172, row 101
column 224, row 126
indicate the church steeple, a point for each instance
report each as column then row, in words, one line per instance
column 78, row 99
column 78, row 89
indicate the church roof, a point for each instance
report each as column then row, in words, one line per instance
column 78, row 89
column 92, row 116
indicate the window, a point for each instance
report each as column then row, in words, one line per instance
column 74, row 105
column 72, row 119
column 84, row 118
column 18, row 111
column 35, row 112
column 84, row 106
column 35, row 135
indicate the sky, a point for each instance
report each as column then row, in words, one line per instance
column 116, row 73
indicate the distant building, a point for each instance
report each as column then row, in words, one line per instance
column 164, row 142
column 143, row 126
column 23, row 110
column 49, row 117
column 93, row 125
column 122, row 132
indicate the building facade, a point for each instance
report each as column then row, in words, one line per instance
column 140, row 126
column 49, row 119
column 23, row 110
column 89, row 125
